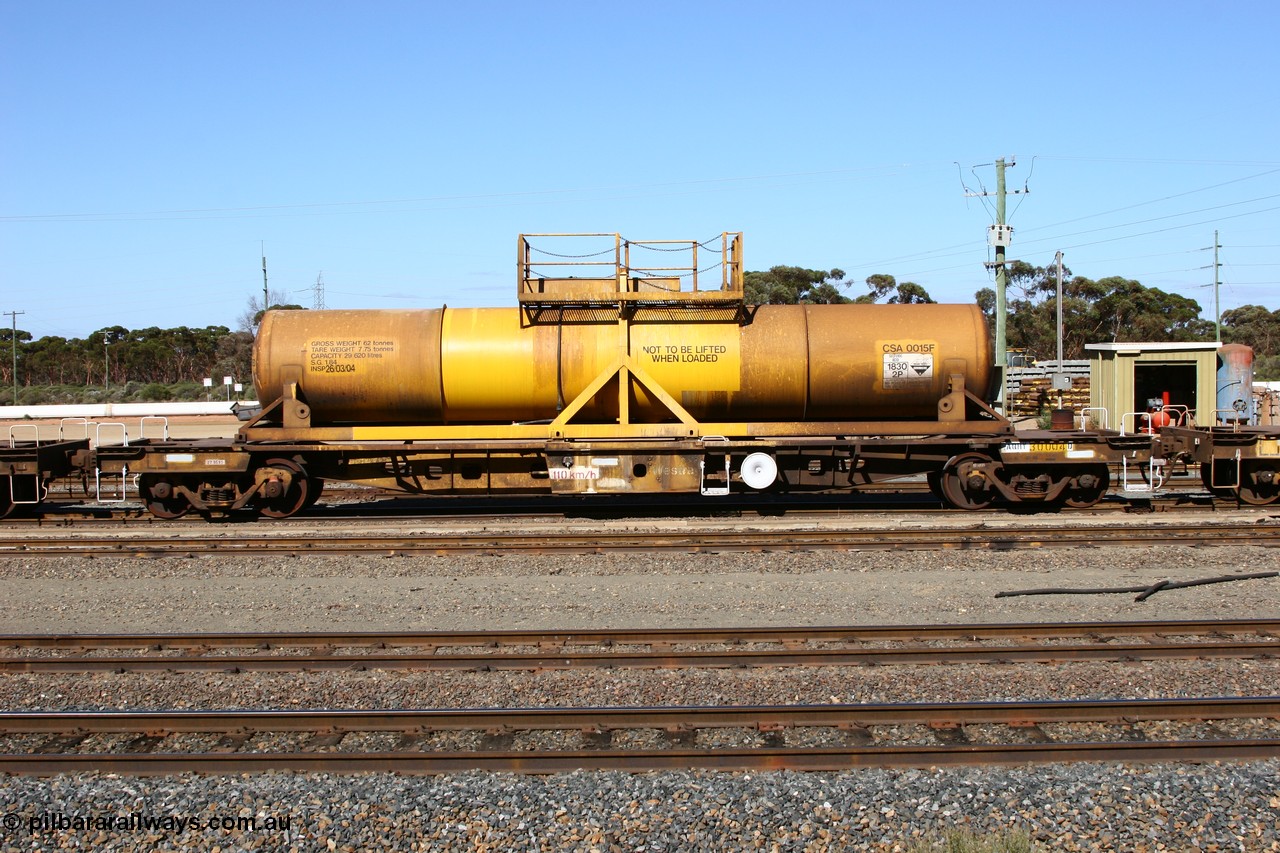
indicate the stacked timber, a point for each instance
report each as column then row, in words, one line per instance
column 1029, row 390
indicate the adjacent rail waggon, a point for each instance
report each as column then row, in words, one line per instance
column 638, row 367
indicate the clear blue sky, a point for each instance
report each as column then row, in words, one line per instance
column 149, row 148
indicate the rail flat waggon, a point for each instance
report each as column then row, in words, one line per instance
column 640, row 368
column 622, row 371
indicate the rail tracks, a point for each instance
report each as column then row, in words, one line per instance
column 660, row 648
column 548, row 739
column 811, row 737
column 154, row 542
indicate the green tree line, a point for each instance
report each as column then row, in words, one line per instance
column 1106, row 310
column 116, row 357
column 1120, row 309
column 117, row 364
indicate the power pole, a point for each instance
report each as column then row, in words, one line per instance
column 1060, row 380
column 999, row 236
column 1002, row 310
column 266, row 300
column 1057, row 259
column 1217, row 311
column 13, row 337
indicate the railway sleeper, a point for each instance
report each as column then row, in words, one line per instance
column 597, row 738
column 62, row 743
column 325, row 740
column 144, row 743
column 231, row 742
column 950, row 734
column 497, row 740
column 1032, row 730
column 680, row 735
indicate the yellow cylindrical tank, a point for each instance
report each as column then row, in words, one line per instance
column 354, row 365
column 484, row 365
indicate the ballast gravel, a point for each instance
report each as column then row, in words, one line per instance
column 384, row 689
column 1071, row 808
column 637, row 590
column 1062, row 807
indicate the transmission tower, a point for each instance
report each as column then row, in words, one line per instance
column 317, row 293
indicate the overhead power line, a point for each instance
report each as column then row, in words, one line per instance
column 314, row 206
column 1151, row 201
column 970, row 245
column 1158, row 219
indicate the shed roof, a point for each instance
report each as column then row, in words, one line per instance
column 1155, row 346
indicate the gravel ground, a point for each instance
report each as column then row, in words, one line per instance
column 112, row 594
column 1075, row 807
column 764, row 686
column 1078, row 807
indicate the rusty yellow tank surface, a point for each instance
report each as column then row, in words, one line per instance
column 487, row 365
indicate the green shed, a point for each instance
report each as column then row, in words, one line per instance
column 1124, row 377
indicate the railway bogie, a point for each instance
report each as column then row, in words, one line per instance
column 27, row 468
column 212, row 478
column 1237, row 461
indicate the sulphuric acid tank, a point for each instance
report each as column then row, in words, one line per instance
column 484, row 365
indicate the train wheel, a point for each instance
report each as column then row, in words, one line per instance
column 162, row 499
column 962, row 486
column 1091, row 485
column 293, row 495
column 1259, row 483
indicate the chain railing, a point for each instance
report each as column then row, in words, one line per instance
column 622, row 268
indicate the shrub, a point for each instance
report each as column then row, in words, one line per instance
column 966, row 841
column 34, row 396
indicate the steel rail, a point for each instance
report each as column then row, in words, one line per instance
column 556, row 650
column 995, row 538
column 239, row 726
column 642, row 761
column 668, row 718
column 653, row 659
column 670, row 636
